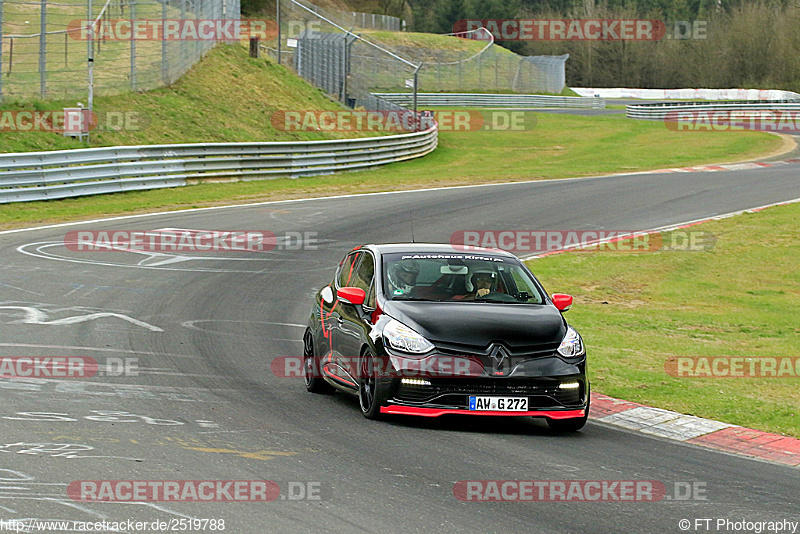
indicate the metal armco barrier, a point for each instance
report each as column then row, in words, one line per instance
column 661, row 110
column 91, row 171
column 493, row 100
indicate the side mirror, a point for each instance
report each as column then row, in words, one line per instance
column 561, row 301
column 353, row 295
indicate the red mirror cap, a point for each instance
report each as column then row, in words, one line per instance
column 353, row 295
column 561, row 301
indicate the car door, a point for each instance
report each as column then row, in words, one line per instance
column 329, row 307
column 354, row 326
column 334, row 361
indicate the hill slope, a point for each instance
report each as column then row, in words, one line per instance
column 226, row 97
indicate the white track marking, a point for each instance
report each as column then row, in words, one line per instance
column 37, row 316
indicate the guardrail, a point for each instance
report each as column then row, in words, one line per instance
column 493, row 100
column 70, row 173
column 688, row 94
column 661, row 110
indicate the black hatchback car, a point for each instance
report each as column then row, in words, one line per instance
column 428, row 330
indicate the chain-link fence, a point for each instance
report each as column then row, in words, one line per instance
column 350, row 63
column 49, row 47
column 351, row 19
column 344, row 64
column 493, row 70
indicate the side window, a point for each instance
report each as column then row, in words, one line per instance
column 364, row 278
column 346, row 271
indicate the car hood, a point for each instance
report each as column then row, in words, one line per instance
column 473, row 324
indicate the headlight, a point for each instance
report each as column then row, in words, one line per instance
column 572, row 344
column 403, row 338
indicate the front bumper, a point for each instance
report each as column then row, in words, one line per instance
column 440, row 391
column 435, row 396
column 396, row 409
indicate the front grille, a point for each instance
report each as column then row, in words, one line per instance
column 522, row 352
column 540, row 392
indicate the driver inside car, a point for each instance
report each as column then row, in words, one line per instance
column 403, row 277
column 481, row 283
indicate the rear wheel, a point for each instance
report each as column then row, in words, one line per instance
column 312, row 370
column 370, row 391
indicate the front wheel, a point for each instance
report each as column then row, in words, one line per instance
column 370, row 390
column 570, row 425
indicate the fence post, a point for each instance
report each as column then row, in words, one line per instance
column 278, row 20
column 183, row 43
column 43, row 49
column 164, row 65
column 1, row 50
column 133, row 47
column 497, row 59
column 480, row 70
column 90, row 56
column 343, row 66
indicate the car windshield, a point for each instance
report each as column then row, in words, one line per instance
column 457, row 277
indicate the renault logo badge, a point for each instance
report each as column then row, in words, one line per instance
column 499, row 354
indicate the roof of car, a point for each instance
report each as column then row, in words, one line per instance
column 437, row 248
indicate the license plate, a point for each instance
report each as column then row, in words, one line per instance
column 499, row 404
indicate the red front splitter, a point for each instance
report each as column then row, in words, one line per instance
column 436, row 412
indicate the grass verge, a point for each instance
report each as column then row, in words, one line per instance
column 738, row 299
column 555, row 146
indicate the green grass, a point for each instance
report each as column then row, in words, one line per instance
column 739, row 298
column 557, row 146
column 227, row 97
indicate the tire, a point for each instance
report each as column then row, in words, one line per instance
column 570, row 425
column 312, row 368
column 370, row 389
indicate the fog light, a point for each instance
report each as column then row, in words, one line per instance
column 415, row 382
column 569, row 385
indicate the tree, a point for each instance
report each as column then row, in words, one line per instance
column 447, row 13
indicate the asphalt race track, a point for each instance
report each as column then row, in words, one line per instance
column 201, row 331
